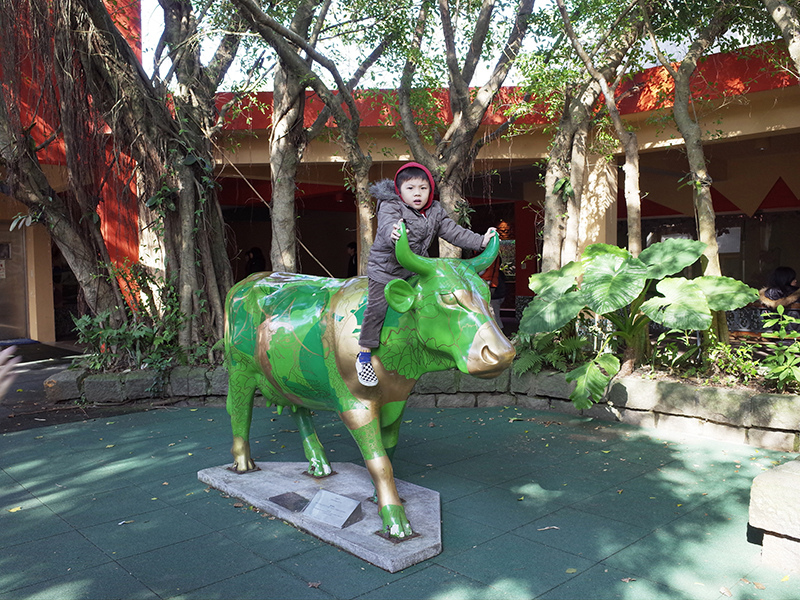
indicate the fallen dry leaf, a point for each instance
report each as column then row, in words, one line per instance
column 314, row 584
column 571, row 570
column 238, row 505
column 759, row 586
column 786, row 578
column 15, row 509
column 725, row 592
column 628, row 579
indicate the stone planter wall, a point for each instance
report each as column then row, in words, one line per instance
column 763, row 420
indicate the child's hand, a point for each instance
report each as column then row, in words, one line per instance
column 396, row 231
column 488, row 236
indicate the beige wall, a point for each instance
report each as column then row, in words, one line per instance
column 39, row 274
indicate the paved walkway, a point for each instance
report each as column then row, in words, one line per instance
column 534, row 505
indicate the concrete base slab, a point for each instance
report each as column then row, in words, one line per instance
column 282, row 481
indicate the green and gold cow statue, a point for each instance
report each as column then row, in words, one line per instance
column 295, row 338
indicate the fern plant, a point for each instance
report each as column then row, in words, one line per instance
column 554, row 350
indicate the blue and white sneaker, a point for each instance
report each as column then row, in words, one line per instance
column 366, row 374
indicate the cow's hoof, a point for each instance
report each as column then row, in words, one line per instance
column 318, row 468
column 241, row 470
column 395, row 522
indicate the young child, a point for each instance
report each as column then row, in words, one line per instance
column 409, row 198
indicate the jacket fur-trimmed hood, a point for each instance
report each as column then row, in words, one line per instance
column 383, row 190
column 784, row 301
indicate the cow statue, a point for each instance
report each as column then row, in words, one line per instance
column 295, row 338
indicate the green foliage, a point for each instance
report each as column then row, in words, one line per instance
column 676, row 352
column 735, row 361
column 149, row 337
column 615, row 284
column 782, row 365
column 591, row 379
column 554, row 350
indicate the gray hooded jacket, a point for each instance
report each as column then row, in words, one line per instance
column 421, row 227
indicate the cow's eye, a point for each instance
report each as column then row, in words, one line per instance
column 449, row 299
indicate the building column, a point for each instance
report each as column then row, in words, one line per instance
column 39, row 263
column 599, row 204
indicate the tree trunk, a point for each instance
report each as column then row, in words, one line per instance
column 286, row 149
column 450, row 195
column 365, row 209
column 28, row 184
column 633, row 196
column 785, row 17
column 577, row 177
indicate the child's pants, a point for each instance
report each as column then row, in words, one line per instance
column 374, row 315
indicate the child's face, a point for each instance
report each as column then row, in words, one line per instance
column 415, row 193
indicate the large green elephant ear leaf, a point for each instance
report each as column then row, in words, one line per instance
column 670, row 256
column 682, row 305
column 611, row 282
column 591, row 380
column 553, row 284
column 595, row 250
column 724, row 293
column 543, row 315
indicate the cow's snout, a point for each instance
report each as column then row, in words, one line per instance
column 491, row 352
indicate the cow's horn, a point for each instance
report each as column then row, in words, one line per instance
column 407, row 258
column 486, row 258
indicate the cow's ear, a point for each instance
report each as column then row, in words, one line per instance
column 400, row 295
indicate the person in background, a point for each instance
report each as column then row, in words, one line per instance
column 255, row 261
column 352, row 261
column 781, row 289
column 7, row 363
column 497, row 286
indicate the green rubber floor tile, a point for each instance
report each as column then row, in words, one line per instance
column 271, row 539
column 608, row 464
column 145, row 532
column 449, row 487
column 591, row 536
column 500, row 508
column 462, row 535
column 605, row 583
column 187, row 566
column 766, row 583
column 266, row 583
column 439, row 452
column 175, row 489
column 557, row 484
column 493, row 468
column 531, row 567
column 35, row 562
column 215, row 511
column 648, row 507
column 117, row 505
column 108, row 581
column 28, row 520
column 688, row 558
column 340, row 574
column 432, row 582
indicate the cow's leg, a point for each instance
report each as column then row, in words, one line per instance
column 391, row 418
column 364, row 426
column 318, row 464
column 241, row 389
